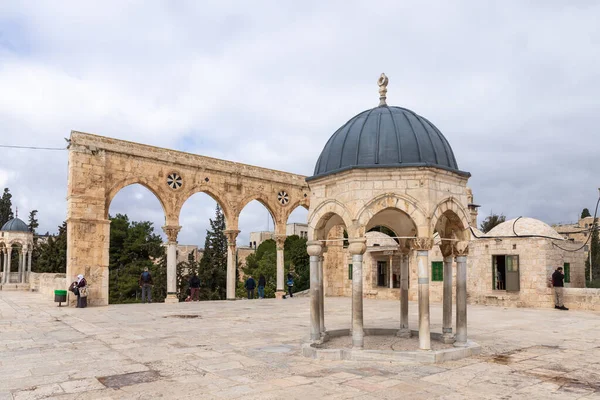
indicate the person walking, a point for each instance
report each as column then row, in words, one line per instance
column 262, row 282
column 195, row 287
column 290, row 283
column 80, row 289
column 558, row 281
column 250, row 285
column 146, row 283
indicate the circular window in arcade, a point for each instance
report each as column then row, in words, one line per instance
column 283, row 198
column 174, row 180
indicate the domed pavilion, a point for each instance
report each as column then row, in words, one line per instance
column 15, row 237
column 392, row 169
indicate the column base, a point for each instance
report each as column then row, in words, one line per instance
column 448, row 338
column 403, row 333
column 279, row 295
column 460, row 344
column 172, row 298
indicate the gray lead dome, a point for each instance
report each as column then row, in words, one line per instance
column 386, row 137
column 15, row 225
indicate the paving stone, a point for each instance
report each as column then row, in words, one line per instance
column 140, row 354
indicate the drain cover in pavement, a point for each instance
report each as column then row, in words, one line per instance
column 133, row 378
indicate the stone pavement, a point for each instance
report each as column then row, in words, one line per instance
column 251, row 350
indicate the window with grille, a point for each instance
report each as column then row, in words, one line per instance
column 567, row 270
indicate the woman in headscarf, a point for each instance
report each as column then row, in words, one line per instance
column 79, row 287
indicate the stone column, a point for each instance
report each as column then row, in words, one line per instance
column 280, row 242
column 315, row 250
column 20, row 267
column 461, row 249
column 29, row 254
column 357, row 248
column 171, row 231
column 391, row 277
column 423, row 245
column 231, row 235
column 3, row 260
column 321, row 296
column 7, row 262
column 404, row 329
column 447, row 336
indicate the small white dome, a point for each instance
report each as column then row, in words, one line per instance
column 379, row 239
column 524, row 227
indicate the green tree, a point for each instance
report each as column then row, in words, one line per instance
column 133, row 247
column 585, row 213
column 264, row 262
column 52, row 254
column 212, row 269
column 33, row 222
column 491, row 221
column 6, row 213
column 595, row 256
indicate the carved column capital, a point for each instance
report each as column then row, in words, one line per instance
column 357, row 246
column 231, row 235
column 280, row 241
column 171, row 231
column 314, row 248
column 422, row 243
column 461, row 248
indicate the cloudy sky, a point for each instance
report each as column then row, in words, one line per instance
column 513, row 85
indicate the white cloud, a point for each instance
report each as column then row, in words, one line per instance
column 513, row 86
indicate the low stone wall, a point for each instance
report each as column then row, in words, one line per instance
column 574, row 298
column 582, row 299
column 46, row 284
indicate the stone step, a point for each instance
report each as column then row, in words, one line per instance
column 15, row 286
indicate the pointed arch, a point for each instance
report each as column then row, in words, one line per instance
column 403, row 203
column 117, row 187
column 450, row 210
column 321, row 217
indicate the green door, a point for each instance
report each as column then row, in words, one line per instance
column 512, row 273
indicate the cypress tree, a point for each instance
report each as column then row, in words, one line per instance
column 6, row 213
column 213, row 265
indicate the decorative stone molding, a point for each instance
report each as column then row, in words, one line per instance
column 171, row 231
column 357, row 246
column 314, row 248
column 231, row 235
column 422, row 243
column 280, row 241
column 461, row 248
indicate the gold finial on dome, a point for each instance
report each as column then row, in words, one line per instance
column 382, row 82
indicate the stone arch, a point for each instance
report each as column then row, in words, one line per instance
column 450, row 207
column 262, row 199
column 406, row 204
column 292, row 207
column 215, row 194
column 318, row 219
column 117, row 187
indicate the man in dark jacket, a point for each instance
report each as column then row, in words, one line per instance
column 146, row 285
column 195, row 287
column 558, row 279
column 250, row 285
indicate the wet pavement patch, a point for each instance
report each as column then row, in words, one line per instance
column 133, row 378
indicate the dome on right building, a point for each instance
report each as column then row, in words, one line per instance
column 524, row 226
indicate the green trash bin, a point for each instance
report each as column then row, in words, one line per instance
column 60, row 296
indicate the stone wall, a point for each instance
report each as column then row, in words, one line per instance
column 46, row 284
